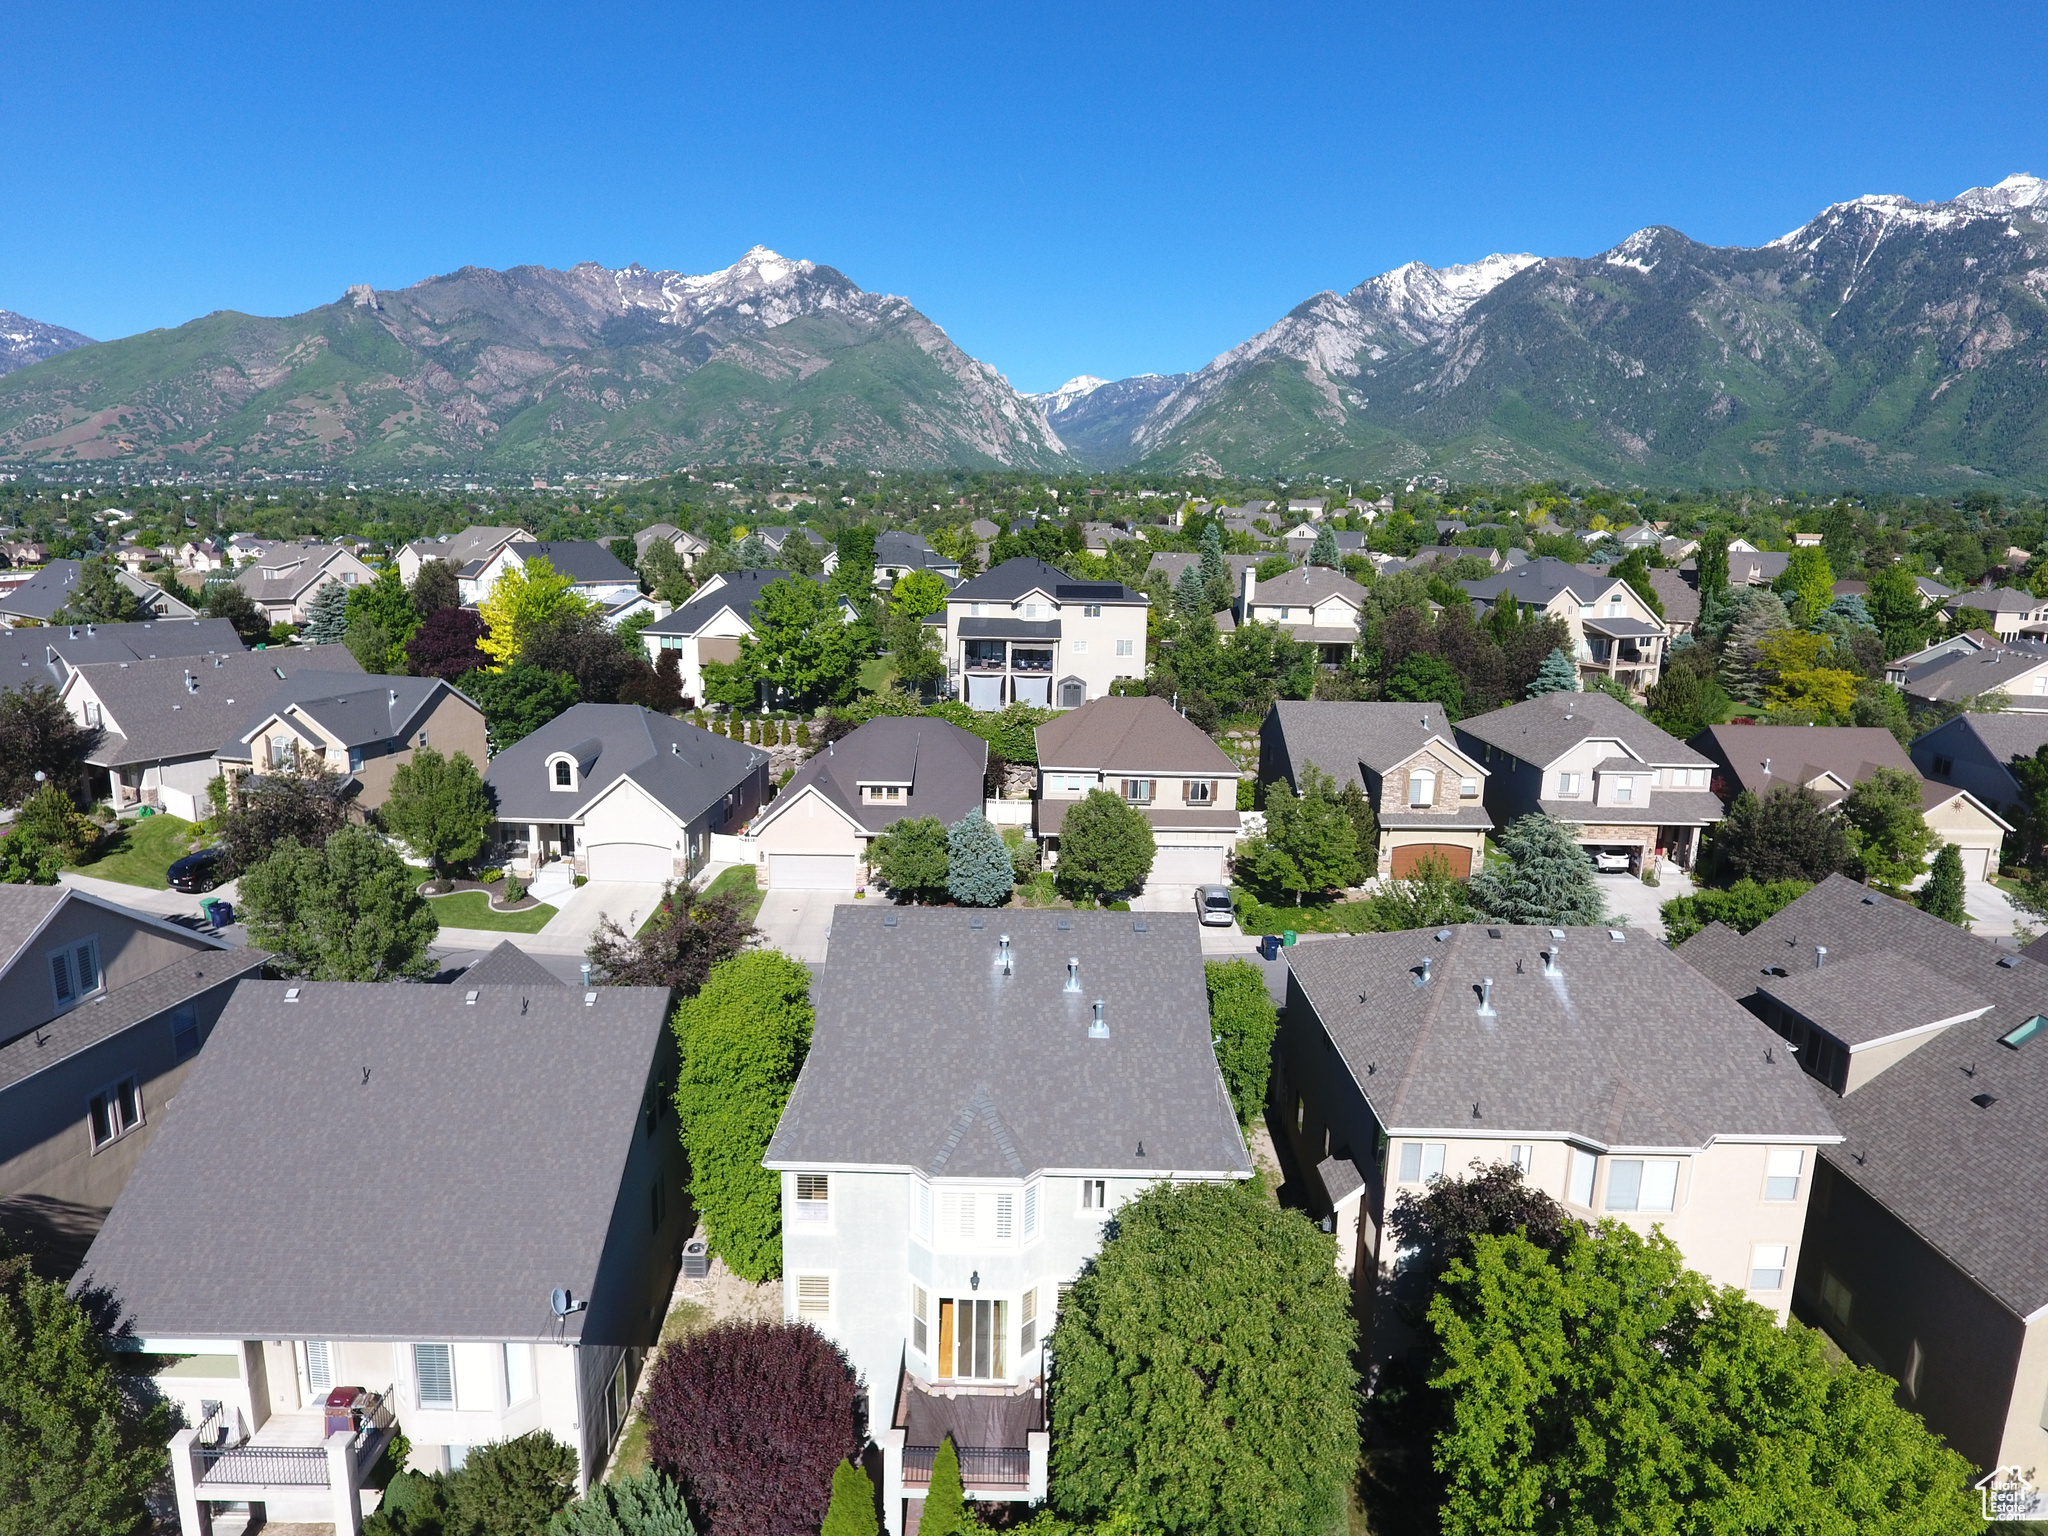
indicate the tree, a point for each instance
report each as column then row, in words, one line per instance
column 1556, row 675
column 520, row 601
column 438, row 807
column 689, row 933
column 383, row 604
column 1423, row 677
column 51, row 817
column 1895, row 607
column 1443, row 1223
column 511, row 1487
column 801, row 646
column 743, row 1039
column 1744, row 905
column 1428, row 897
column 327, row 615
column 1324, row 550
column 643, row 1503
column 225, row 600
column 579, row 642
column 1787, row 835
column 978, row 868
column 659, row 687
column 1808, row 582
column 446, row 644
column 752, row 1418
column 39, row 737
column 1887, row 831
column 1205, row 1379
column 79, row 1445
column 1106, row 846
column 911, row 858
column 919, row 594
column 1364, row 827
column 345, row 910
column 99, row 597
column 1633, row 571
column 1685, row 699
column 1880, row 704
column 25, row 859
column 370, row 643
column 852, row 1511
column 518, row 701
column 1191, row 595
column 434, row 588
column 1243, row 1020
column 1798, row 675
column 945, row 1504
column 1942, row 895
column 1606, row 1387
column 1744, row 669
column 1548, row 882
column 304, row 806
column 1310, row 843
column 1712, row 562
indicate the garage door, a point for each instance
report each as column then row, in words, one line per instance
column 812, row 871
column 641, row 862
column 1976, row 863
column 1406, row 858
column 1187, row 866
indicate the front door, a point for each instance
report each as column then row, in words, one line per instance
column 972, row 1339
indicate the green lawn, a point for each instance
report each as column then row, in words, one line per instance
column 876, row 673
column 472, row 909
column 141, row 852
column 740, row 881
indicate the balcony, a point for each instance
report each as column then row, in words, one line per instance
column 292, row 1465
column 998, row 1431
column 982, row 1467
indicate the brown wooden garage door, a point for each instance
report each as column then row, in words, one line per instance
column 1405, row 858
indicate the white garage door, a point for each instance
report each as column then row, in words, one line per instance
column 1187, row 866
column 812, row 871
column 631, row 861
column 1976, row 863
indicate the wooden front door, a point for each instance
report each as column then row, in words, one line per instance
column 945, row 1338
column 1407, row 856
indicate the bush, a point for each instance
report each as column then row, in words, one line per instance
column 515, row 890
column 491, row 876
column 512, row 1487
column 271, row 808
column 1743, row 906
column 690, row 932
column 1241, row 1011
column 852, row 1512
column 979, row 872
column 752, row 1419
column 912, row 858
column 640, row 1504
column 345, row 910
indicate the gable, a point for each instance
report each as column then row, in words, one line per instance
column 620, row 812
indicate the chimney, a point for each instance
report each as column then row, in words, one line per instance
column 1073, row 973
column 1098, row 1030
column 1486, row 1010
column 1820, row 956
column 1003, row 953
column 1251, row 581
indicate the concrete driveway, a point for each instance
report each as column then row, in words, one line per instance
column 570, row 930
column 1627, row 896
column 799, row 923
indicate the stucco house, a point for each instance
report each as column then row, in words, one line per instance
column 104, row 1009
column 1588, row 759
column 41, row 596
column 476, row 1275
column 1619, row 1080
column 285, row 578
column 1427, row 794
column 594, row 572
column 1614, row 634
column 710, row 625
column 817, row 833
column 1925, row 1255
column 688, row 547
column 1975, row 753
column 44, row 655
column 2018, row 670
column 363, row 728
column 2009, row 609
column 1028, row 632
column 952, row 1151
column 1314, row 604
column 1144, row 751
column 899, row 552
column 458, row 550
column 619, row 792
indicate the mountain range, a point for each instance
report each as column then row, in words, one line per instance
column 24, row 341
column 1883, row 344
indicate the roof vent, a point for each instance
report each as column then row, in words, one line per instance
column 1098, row 1030
column 888, row 919
column 1073, row 973
column 1442, row 934
column 1820, row 956
column 191, row 683
column 1003, row 954
column 1493, row 933
column 589, row 1001
column 1616, row 936
column 1065, row 925
column 1138, row 925
column 1557, row 934
column 470, row 997
column 675, row 749
column 1983, row 1100
column 2008, row 961
column 291, row 994
column 1486, row 1009
column 975, row 922
column 1550, row 962
column 1870, row 901
column 1422, row 972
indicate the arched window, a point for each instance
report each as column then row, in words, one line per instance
column 562, row 774
column 1421, row 788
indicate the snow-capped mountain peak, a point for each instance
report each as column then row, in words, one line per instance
column 1437, row 296
column 2009, row 196
column 1078, row 388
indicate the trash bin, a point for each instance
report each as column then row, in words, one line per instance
column 145, row 812
column 696, row 1259
column 206, row 906
column 1269, row 946
column 223, row 913
column 1287, row 936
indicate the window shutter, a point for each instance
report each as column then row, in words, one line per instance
column 88, row 968
column 1005, row 1205
column 1031, row 1210
column 319, row 1364
column 60, row 977
column 814, row 1297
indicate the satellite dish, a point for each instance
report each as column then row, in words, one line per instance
column 562, row 1304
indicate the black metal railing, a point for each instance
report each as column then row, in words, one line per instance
column 270, row 1466
column 993, row 1466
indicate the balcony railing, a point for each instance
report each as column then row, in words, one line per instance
column 980, row 1466
column 252, row 1464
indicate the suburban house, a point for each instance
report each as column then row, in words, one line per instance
column 896, row 767
column 710, row 625
column 1588, row 759
column 1314, row 508
column 458, row 550
column 43, row 655
column 1171, row 565
column 1755, row 567
column 1618, row 1079
column 1426, row 793
column 1026, row 632
column 594, row 572
column 285, row 578
column 1144, row 751
column 983, row 1091
column 1975, row 753
column 898, row 553
column 687, row 546
column 104, row 1008
column 619, row 792
column 456, row 1209
column 2018, row 670
column 1681, row 602
column 162, row 720
column 49, row 589
column 1313, row 603
column 2009, row 609
column 1831, row 760
column 1300, row 540
column 197, row 555
column 363, row 728
column 1614, row 634
column 1925, row 1255
column 1969, row 642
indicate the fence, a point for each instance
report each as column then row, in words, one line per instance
column 980, row 1466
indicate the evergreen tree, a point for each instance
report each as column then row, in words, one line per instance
column 1633, row 570
column 637, row 1504
column 433, row 589
column 225, row 600
column 1324, row 550
column 910, row 858
column 1191, row 595
column 852, row 1511
column 1942, row 895
column 1364, row 825
column 512, row 1487
column 1895, row 607
column 346, row 910
column 979, row 872
column 99, row 597
column 1215, row 570
column 1556, row 675
column 1745, row 669
column 327, row 615
column 1549, row 879
column 1242, row 1021
column 1881, row 704
column 1712, row 562
column 945, row 1502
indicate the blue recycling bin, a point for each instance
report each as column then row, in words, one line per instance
column 220, row 913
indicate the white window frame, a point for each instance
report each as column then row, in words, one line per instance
column 1126, row 648
column 556, row 762
column 1094, row 1197
column 1091, row 610
column 1648, row 1176
column 522, row 1379
column 1421, row 777
column 1080, row 647
column 418, row 1380
column 1031, row 1197
column 1468, row 789
column 1582, row 1172
column 1522, row 1156
column 1625, row 789
column 812, row 1208
column 66, row 974
column 1567, row 785
column 1761, row 1256
column 920, row 1320
column 1422, row 1161
column 109, row 1102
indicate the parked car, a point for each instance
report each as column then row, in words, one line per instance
column 1610, row 860
column 196, row 871
column 1213, row 903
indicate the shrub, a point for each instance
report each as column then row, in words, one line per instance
column 752, row 1419
column 852, row 1512
column 1106, row 846
column 945, row 1504
column 640, row 1504
column 689, row 933
column 1241, row 1011
column 511, row 1487
column 911, row 858
column 1743, row 906
column 1549, row 879
column 979, row 872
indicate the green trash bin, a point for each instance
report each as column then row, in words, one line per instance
column 1287, row 936
column 145, row 812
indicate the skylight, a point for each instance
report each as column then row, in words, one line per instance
column 2013, row 1039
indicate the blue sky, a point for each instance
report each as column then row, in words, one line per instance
column 1097, row 188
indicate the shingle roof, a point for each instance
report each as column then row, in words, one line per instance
column 45, row 653
column 925, row 1056
column 2003, row 736
column 1974, row 672
column 387, row 1162
column 1338, row 736
column 1051, row 815
column 1954, row 1171
column 896, row 547
column 459, row 549
column 284, row 571
column 1543, row 729
column 686, row 769
column 740, row 591
column 1872, row 997
column 1308, row 585
column 24, row 909
column 1537, row 582
column 355, row 709
column 1799, row 753
column 1006, row 628
column 583, row 560
column 161, row 720
column 1172, row 564
column 943, row 765
column 509, row 966
column 1999, row 600
column 50, row 589
column 1129, row 734
column 1630, row 1047
column 1758, row 569
column 1013, row 578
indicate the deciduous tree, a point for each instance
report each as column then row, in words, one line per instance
column 518, row 700
column 690, row 932
column 225, row 600
column 38, row 736
column 345, row 910
column 801, row 645
column 521, row 600
column 1310, row 843
column 303, row 806
column 1744, row 905
column 447, row 644
column 1787, row 835
column 1895, row 607
column 1889, row 834
column 439, row 808
column 911, row 858
column 1106, row 847
column 1548, row 881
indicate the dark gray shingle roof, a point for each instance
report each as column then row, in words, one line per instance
column 739, row 592
column 44, row 654
column 686, row 769
column 161, row 720
column 1338, row 736
column 578, row 559
column 1543, row 729
column 357, row 710
column 509, row 966
column 943, row 765
column 1538, row 581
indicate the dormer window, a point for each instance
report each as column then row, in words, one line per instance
column 562, row 772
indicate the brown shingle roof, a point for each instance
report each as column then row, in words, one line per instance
column 1142, row 735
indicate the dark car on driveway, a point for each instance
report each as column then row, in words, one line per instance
column 196, row 871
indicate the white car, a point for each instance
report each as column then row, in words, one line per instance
column 1213, row 903
column 1610, row 861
